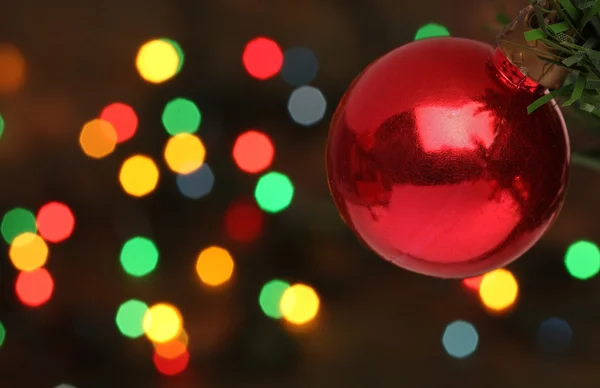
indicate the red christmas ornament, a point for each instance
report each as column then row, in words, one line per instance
column 435, row 164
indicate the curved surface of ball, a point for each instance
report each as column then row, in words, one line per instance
column 435, row 164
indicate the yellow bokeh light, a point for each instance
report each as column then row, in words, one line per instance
column 498, row 290
column 214, row 266
column 12, row 69
column 98, row 138
column 299, row 304
column 181, row 337
column 28, row 252
column 157, row 61
column 184, row 153
column 138, row 175
column 162, row 323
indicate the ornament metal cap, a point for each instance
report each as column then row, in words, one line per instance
column 526, row 55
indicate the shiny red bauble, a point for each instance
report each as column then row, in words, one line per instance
column 435, row 164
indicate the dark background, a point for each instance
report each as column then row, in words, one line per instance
column 379, row 326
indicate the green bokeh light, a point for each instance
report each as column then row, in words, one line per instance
column 2, row 334
column 1, row 125
column 139, row 256
column 431, row 30
column 583, row 260
column 17, row 221
column 270, row 298
column 177, row 48
column 130, row 317
column 274, row 192
column 181, row 116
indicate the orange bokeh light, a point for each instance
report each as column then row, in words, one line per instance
column 170, row 350
column 123, row 119
column 34, row 288
column 262, row 58
column 55, row 222
column 253, row 151
column 12, row 69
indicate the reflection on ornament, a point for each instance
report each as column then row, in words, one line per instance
column 435, row 164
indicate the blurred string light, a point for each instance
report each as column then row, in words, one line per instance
column 300, row 66
column 243, row 221
column 253, row 151
column 214, row 266
column 498, row 290
column 162, row 322
column 582, row 260
column 159, row 60
column 473, row 283
column 139, row 256
column 184, row 153
column 171, row 349
column 123, row 119
column 299, row 304
column 28, row 252
column 130, row 317
column 274, row 192
column 460, row 339
column 55, row 222
column 98, row 138
column 171, row 367
column 17, row 221
column 307, row 105
column 2, row 334
column 554, row 336
column 262, row 58
column 270, row 298
column 12, row 69
column 181, row 116
column 196, row 184
column 34, row 288
column 138, row 175
column 1, row 125
column 431, row 30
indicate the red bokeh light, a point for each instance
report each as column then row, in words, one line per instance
column 55, row 222
column 171, row 367
column 253, row 151
column 123, row 119
column 473, row 283
column 262, row 58
column 244, row 221
column 34, row 288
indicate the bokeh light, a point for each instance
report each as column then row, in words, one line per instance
column 17, row 221
column 63, row 385
column 55, row 221
column 214, row 266
column 98, row 138
column 123, row 119
column 12, row 69
column 139, row 256
column 171, row 349
column 184, row 153
column 299, row 304
column 274, row 192
column 243, row 221
column 196, row 184
column 554, row 336
column 498, row 290
column 270, row 298
column 182, row 338
column 582, row 260
column 2, row 334
column 158, row 60
column 138, row 175
column 473, row 283
column 130, row 317
column 307, row 105
column 431, row 30
column 179, row 51
column 34, row 288
column 28, row 252
column 162, row 322
column 1, row 125
column 181, row 116
column 171, row 367
column 262, row 58
column 460, row 339
column 300, row 66
column 253, row 151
